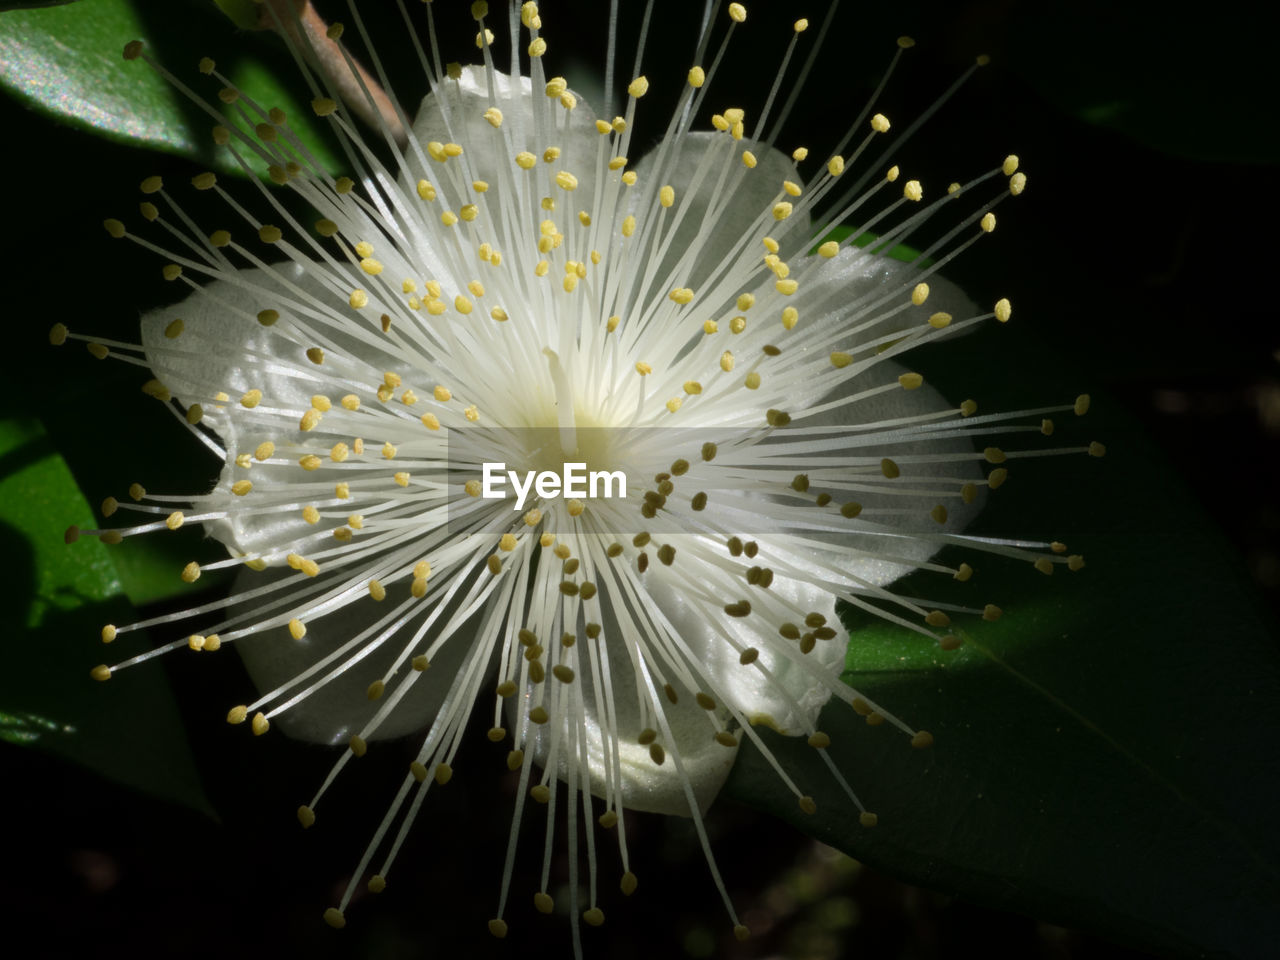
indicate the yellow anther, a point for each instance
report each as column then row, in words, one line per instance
column 737, row 12
column 1017, row 183
column 220, row 238
column 936, row 618
column 309, row 462
column 749, row 159
column 781, row 210
column 260, row 724
column 251, row 399
column 963, row 573
column 799, row 154
column 358, row 299
column 638, row 87
column 667, row 196
column 835, row 166
column 681, row 295
column 484, row 38
column 697, row 76
column 807, row 805
column 800, row 26
column 152, row 388
column 1097, row 450
column 910, row 381
column 994, row 455
column 297, row 629
column 940, row 320
column 537, row 49
column 913, row 191
column 1003, row 309
column 241, row 487
column 786, row 287
column 988, row 222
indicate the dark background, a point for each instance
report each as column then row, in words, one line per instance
column 1143, row 254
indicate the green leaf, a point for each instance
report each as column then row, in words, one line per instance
column 60, row 595
column 901, row 251
column 1103, row 753
column 66, row 61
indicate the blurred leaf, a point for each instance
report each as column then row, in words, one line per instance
column 243, row 13
column 66, row 61
column 59, row 596
column 1104, row 757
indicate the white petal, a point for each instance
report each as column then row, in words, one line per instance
column 341, row 707
column 789, row 699
column 645, row 785
column 219, row 350
column 490, row 151
column 853, row 279
column 753, row 192
column 223, row 348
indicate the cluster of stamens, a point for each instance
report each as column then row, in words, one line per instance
column 497, row 278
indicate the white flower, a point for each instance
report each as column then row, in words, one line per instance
column 522, row 283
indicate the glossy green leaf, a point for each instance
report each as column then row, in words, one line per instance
column 1103, row 753
column 67, row 62
column 59, row 596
